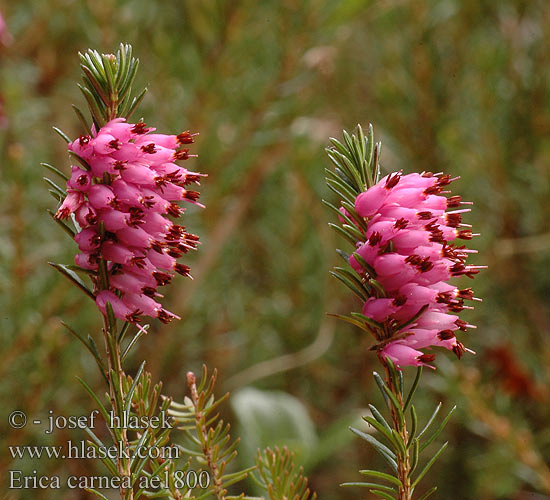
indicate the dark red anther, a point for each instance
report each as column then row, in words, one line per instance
column 465, row 234
column 466, row 293
column 426, row 358
column 461, row 324
column 392, row 180
column 446, row 335
column 401, row 223
column 454, row 201
column 400, row 300
column 181, row 154
column 375, row 238
column 185, row 137
column 426, row 215
column 149, row 148
column 174, row 210
column 182, row 269
column 140, row 128
column 162, row 278
column 191, row 195
column 458, row 349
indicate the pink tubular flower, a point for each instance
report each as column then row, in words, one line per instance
column 407, row 248
column 122, row 203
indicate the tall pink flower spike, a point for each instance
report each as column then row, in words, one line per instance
column 410, row 245
column 122, row 205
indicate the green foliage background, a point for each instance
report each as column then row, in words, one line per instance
column 450, row 85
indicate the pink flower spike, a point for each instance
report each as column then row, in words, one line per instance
column 80, row 179
column 86, row 260
column 114, row 220
column 86, row 215
column 403, row 355
column 137, row 173
column 119, row 128
column 88, row 240
column 131, row 188
column 379, row 309
column 409, row 247
column 101, row 196
column 368, row 203
column 166, row 141
column 120, row 309
column 115, row 252
column 104, row 143
column 72, row 202
column 128, row 282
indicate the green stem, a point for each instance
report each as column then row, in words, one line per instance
column 400, row 427
column 117, row 394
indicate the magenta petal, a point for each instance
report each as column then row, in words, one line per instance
column 368, row 203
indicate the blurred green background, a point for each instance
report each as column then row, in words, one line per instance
column 450, row 85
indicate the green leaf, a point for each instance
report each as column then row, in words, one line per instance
column 96, row 493
column 82, row 120
column 137, row 336
column 89, row 390
column 396, row 405
column 343, row 189
column 381, row 385
column 400, row 443
column 414, row 426
column 90, row 347
column 74, row 278
column 55, row 187
column 55, row 195
column 374, row 325
column 413, row 388
column 78, row 269
column 62, row 135
column 97, row 444
column 97, row 113
column 438, row 431
column 135, row 103
column 352, row 275
column 337, row 212
column 343, row 232
column 378, row 287
column 415, row 454
column 384, row 451
column 431, row 419
column 359, row 236
column 369, row 485
column 80, row 160
column 365, row 265
column 56, row 171
column 381, row 475
column 111, row 319
column 429, row 464
column 382, row 494
column 63, row 226
column 352, row 282
column 428, row 493
column 382, row 430
column 379, row 418
column 130, row 394
column 343, row 255
column 352, row 321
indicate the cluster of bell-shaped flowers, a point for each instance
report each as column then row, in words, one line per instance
column 411, row 227
column 123, row 197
